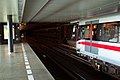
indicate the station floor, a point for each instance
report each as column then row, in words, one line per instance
column 22, row 64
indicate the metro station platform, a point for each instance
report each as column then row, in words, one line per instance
column 22, row 64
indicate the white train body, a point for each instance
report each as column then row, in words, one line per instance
column 105, row 51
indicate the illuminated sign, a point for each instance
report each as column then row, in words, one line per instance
column 6, row 32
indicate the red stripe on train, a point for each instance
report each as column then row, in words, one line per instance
column 115, row 48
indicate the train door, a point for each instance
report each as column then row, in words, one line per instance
column 85, row 35
column 92, row 39
column 89, row 34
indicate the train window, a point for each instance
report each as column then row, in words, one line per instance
column 82, row 31
column 110, row 32
column 94, row 32
column 73, row 34
column 103, row 32
column 85, row 32
column 119, row 33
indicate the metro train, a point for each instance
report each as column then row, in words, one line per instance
column 99, row 44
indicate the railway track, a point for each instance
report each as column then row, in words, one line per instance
column 72, row 65
column 60, row 61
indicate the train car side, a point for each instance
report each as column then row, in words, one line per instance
column 103, row 50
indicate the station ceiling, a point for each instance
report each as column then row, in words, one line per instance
column 55, row 10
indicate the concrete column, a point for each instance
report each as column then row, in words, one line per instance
column 10, row 36
column 0, row 34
